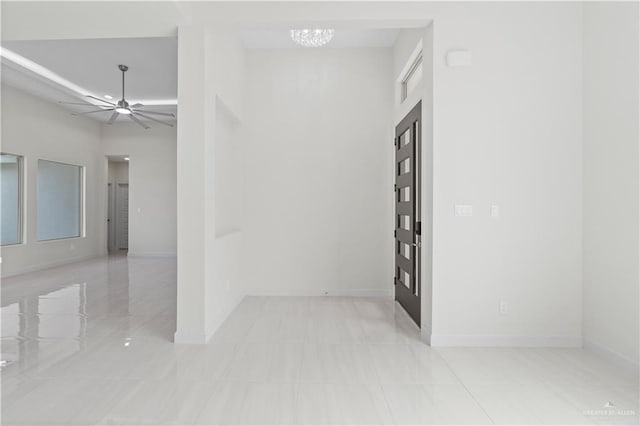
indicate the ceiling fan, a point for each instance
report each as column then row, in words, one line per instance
column 123, row 107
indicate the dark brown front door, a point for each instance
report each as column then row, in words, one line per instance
column 407, row 232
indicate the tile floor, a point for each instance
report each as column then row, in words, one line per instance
column 90, row 343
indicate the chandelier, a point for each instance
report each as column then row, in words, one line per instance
column 312, row 38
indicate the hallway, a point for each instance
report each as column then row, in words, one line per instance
column 89, row 343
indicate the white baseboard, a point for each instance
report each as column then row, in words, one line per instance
column 49, row 265
column 612, row 356
column 320, row 293
column 204, row 337
column 425, row 333
column 182, row 338
column 219, row 319
column 151, row 255
column 439, row 340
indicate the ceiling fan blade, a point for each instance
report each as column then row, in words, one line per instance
column 168, row 114
column 136, row 106
column 76, row 103
column 138, row 121
column 113, row 117
column 153, row 119
column 91, row 112
column 101, row 100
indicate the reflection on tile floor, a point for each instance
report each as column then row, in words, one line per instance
column 90, row 343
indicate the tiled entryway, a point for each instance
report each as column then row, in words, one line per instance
column 90, row 343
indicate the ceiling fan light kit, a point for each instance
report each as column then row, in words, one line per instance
column 123, row 107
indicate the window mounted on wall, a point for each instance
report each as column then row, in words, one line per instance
column 412, row 78
column 11, row 199
column 60, row 200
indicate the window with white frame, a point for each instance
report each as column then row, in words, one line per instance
column 60, row 200
column 11, row 199
column 412, row 78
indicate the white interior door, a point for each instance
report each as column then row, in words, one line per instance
column 122, row 216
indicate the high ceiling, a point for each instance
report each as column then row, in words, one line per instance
column 92, row 64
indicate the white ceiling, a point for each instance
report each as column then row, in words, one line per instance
column 343, row 38
column 92, row 64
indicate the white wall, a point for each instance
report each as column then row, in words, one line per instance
column 508, row 131
column 152, row 184
column 228, row 173
column 39, row 130
column 191, row 186
column 611, row 178
column 210, row 105
column 319, row 171
column 224, row 97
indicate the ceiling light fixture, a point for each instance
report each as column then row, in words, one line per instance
column 132, row 111
column 312, row 37
column 123, row 110
column 126, row 158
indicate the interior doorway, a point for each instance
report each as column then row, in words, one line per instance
column 118, row 204
column 408, row 227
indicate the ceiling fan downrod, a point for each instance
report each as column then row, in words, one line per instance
column 123, row 106
column 124, row 69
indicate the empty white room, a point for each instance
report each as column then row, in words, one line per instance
column 320, row 212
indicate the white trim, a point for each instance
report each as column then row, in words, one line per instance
column 51, row 265
column 612, row 356
column 404, row 90
column 417, row 51
column 151, row 255
column 327, row 293
column 183, row 338
column 189, row 339
column 426, row 333
column 506, row 341
column 215, row 324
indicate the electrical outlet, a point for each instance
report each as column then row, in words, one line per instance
column 503, row 307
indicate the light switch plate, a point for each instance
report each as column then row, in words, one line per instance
column 463, row 210
column 495, row 210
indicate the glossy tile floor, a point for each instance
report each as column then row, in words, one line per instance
column 90, row 343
